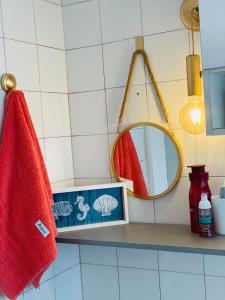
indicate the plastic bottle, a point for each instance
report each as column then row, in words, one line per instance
column 222, row 191
column 199, row 184
column 206, row 226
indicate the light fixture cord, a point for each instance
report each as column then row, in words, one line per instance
column 192, row 30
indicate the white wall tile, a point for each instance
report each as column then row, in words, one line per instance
column 215, row 288
column 2, row 109
column 137, row 258
column 215, row 184
column 174, row 207
column 56, row 115
column 100, row 287
column 181, row 262
column 64, row 183
column 88, row 113
column 94, row 163
column 169, row 19
column 174, row 95
column 116, row 24
column 22, row 61
column 136, row 102
column 33, row 100
column 59, row 158
column 183, row 286
column 214, row 265
column 168, row 60
column 55, row 2
column 68, row 285
column 112, row 140
column 52, row 64
column 98, row 255
column 49, row 24
column 1, row 32
column 117, row 59
column 42, row 146
column 79, row 32
column 68, row 2
column 68, row 256
column 85, row 69
column 48, row 274
column 18, row 20
column 45, row 291
column 210, row 151
column 138, row 284
column 141, row 210
column 187, row 144
column 154, row 110
column 2, row 58
column 91, row 181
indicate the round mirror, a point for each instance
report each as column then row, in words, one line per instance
column 148, row 158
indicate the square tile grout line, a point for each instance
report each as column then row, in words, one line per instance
column 56, row 4
column 80, row 2
column 124, row 39
column 34, row 44
column 3, row 36
column 160, row 292
column 146, row 95
column 106, row 108
column 39, row 77
column 81, row 274
column 118, row 273
column 203, row 261
column 134, row 85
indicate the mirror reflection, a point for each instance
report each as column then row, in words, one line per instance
column 148, row 159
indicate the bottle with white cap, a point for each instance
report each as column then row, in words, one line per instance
column 206, row 217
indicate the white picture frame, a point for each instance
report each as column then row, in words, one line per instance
column 121, row 185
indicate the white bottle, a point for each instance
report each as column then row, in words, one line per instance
column 205, row 217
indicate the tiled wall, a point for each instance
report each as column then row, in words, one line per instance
column 62, row 281
column 99, row 38
column 131, row 274
column 32, row 48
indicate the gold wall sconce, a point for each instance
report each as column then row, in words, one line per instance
column 8, row 82
column 192, row 115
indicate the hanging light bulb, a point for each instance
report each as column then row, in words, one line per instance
column 192, row 115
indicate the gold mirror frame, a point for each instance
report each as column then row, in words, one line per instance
column 179, row 153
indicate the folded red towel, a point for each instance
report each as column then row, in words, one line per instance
column 27, row 227
column 127, row 165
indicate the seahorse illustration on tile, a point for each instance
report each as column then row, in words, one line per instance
column 84, row 208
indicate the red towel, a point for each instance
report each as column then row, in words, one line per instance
column 127, row 164
column 25, row 198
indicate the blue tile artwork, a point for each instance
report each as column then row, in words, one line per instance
column 88, row 207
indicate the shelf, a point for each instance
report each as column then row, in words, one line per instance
column 163, row 237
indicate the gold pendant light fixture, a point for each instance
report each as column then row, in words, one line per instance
column 192, row 115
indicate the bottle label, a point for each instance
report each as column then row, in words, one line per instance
column 205, row 220
column 205, row 216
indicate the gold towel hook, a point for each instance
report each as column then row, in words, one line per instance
column 8, row 82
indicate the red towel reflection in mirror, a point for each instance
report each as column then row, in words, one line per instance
column 127, row 164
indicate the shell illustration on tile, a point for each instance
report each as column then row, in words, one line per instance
column 84, row 208
column 62, row 209
column 105, row 204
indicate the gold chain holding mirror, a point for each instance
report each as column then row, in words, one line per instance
column 151, row 75
column 145, row 155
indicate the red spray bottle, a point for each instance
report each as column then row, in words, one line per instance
column 199, row 185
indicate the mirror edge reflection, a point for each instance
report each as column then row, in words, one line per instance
column 179, row 153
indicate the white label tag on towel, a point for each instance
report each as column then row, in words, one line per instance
column 42, row 228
